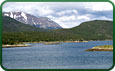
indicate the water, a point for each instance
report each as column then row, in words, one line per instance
column 58, row 56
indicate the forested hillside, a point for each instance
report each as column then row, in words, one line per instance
column 14, row 32
column 92, row 30
column 11, row 25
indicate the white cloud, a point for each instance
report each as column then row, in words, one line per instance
column 102, row 18
column 28, row 7
column 66, row 14
column 84, row 17
column 66, row 18
column 95, row 6
column 44, row 11
column 68, row 24
column 51, row 17
column 65, row 21
column 100, row 6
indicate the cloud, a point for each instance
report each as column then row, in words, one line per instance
column 65, row 21
column 66, row 14
column 66, row 18
column 83, row 17
column 43, row 11
column 100, row 6
column 103, row 18
column 69, row 24
column 32, row 8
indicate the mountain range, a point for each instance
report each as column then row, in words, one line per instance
column 25, row 18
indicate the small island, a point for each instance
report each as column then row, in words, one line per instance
column 15, row 45
column 101, row 48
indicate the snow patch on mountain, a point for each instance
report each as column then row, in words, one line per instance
column 14, row 16
column 6, row 14
column 33, row 22
column 11, row 15
column 24, row 15
column 41, row 22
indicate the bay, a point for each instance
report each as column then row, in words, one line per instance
column 70, row 55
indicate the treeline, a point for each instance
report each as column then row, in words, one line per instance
column 20, row 37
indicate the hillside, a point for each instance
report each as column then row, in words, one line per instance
column 11, row 25
column 92, row 30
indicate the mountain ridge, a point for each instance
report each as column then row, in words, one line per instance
column 12, row 25
column 25, row 18
column 92, row 29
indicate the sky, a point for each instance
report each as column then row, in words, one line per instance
column 66, row 14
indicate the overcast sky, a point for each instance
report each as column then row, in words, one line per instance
column 66, row 14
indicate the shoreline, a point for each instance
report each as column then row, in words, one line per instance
column 58, row 42
column 65, row 41
column 101, row 48
column 24, row 44
column 15, row 45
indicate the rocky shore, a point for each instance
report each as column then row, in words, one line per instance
column 58, row 42
column 16, row 45
column 46, row 43
column 54, row 42
column 101, row 48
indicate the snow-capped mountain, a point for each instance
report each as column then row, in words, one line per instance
column 42, row 22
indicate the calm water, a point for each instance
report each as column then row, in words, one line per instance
column 58, row 56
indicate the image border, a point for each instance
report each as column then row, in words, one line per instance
column 56, row 1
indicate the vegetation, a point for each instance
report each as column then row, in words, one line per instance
column 18, row 37
column 101, row 48
column 92, row 30
column 104, row 47
column 15, row 32
column 11, row 25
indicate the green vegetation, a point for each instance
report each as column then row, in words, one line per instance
column 104, row 47
column 18, row 37
column 15, row 32
column 11, row 25
column 92, row 30
column 101, row 48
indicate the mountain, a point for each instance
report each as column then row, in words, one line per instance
column 91, row 30
column 12, row 25
column 41, row 22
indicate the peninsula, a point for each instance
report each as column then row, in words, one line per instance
column 101, row 48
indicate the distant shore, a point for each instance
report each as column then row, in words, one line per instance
column 24, row 44
column 46, row 43
column 101, row 48
column 58, row 42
